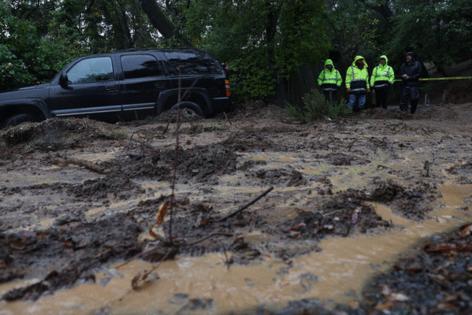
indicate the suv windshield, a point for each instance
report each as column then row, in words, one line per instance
column 192, row 63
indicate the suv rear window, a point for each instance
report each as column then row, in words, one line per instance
column 139, row 66
column 192, row 63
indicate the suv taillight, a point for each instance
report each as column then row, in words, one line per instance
column 228, row 88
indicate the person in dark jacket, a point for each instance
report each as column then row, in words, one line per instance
column 410, row 72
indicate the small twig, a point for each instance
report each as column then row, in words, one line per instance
column 349, row 147
column 176, row 162
column 330, row 213
column 228, row 260
column 227, row 119
column 246, row 206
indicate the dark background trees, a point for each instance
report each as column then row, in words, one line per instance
column 274, row 47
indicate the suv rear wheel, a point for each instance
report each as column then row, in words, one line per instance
column 18, row 119
column 189, row 110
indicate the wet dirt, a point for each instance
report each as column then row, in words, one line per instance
column 57, row 134
column 64, row 252
column 349, row 197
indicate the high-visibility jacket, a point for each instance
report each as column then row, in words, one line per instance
column 329, row 80
column 382, row 75
column 357, row 80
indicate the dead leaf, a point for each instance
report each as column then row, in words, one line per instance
column 446, row 248
column 298, row 227
column 157, row 233
column 161, row 213
column 465, row 230
column 143, row 279
column 440, row 248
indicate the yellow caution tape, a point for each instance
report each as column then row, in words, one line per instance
column 446, row 78
column 442, row 79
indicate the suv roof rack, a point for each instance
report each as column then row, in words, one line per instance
column 156, row 49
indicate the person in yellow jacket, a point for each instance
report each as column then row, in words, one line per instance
column 382, row 78
column 330, row 81
column 357, row 83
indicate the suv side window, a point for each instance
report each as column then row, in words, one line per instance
column 91, row 70
column 139, row 66
column 191, row 63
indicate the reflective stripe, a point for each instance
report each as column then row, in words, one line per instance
column 329, row 89
column 334, row 79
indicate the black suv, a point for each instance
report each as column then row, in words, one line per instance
column 135, row 80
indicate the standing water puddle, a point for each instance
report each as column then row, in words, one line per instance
column 337, row 273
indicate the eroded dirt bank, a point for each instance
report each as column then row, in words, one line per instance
column 350, row 198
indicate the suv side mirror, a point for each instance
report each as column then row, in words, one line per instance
column 64, row 81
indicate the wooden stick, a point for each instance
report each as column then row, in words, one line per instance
column 82, row 163
column 246, row 206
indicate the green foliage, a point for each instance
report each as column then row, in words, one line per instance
column 439, row 31
column 13, row 72
column 271, row 46
column 263, row 41
column 315, row 107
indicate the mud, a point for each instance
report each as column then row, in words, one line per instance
column 117, row 186
column 463, row 172
column 57, row 134
column 340, row 215
column 413, row 202
column 64, row 252
column 78, row 199
column 436, row 280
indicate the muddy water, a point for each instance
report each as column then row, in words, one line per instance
column 337, row 273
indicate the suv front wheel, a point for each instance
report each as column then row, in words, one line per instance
column 18, row 119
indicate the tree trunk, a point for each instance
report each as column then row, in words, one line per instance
column 157, row 18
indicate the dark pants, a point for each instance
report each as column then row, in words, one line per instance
column 331, row 96
column 381, row 96
column 410, row 96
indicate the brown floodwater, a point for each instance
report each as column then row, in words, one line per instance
column 335, row 274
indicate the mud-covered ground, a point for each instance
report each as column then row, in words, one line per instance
column 77, row 195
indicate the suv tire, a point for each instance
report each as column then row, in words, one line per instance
column 191, row 109
column 18, row 119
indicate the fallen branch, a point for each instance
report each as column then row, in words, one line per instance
column 82, row 163
column 246, row 206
